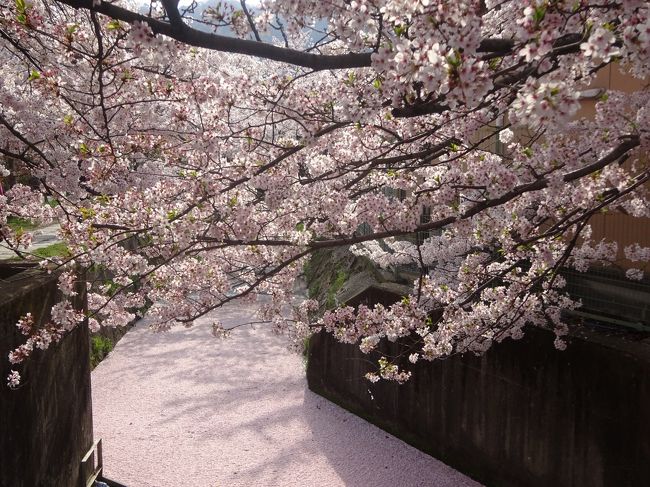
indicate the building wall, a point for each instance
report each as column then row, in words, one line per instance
column 613, row 225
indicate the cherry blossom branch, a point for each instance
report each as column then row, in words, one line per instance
column 193, row 37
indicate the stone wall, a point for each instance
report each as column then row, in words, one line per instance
column 524, row 414
column 45, row 424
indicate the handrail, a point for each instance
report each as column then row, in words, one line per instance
column 97, row 469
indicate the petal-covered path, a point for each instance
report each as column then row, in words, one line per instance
column 185, row 409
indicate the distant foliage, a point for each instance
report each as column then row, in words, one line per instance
column 100, row 347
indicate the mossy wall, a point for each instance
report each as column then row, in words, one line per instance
column 328, row 270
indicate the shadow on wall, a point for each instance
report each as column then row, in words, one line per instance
column 45, row 424
column 522, row 414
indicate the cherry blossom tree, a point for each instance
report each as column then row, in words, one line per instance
column 199, row 155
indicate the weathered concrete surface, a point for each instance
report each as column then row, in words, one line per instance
column 46, row 424
column 524, row 414
column 184, row 409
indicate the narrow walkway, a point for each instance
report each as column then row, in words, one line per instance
column 43, row 237
column 185, row 409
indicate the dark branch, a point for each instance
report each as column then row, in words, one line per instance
column 177, row 29
column 175, row 19
column 251, row 21
column 193, row 37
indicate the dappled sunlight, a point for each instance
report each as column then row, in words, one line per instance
column 184, row 408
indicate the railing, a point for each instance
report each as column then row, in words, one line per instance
column 88, row 464
column 607, row 296
column 97, row 469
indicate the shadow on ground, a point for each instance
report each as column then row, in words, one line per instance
column 185, row 409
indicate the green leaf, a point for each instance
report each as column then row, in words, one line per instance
column 494, row 63
column 86, row 213
column 21, row 12
column 540, row 13
column 454, row 61
column 400, row 30
column 609, row 26
column 126, row 75
column 34, row 75
column 103, row 199
column 114, row 25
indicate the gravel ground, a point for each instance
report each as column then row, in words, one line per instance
column 185, row 409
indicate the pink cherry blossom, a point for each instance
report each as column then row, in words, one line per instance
column 188, row 168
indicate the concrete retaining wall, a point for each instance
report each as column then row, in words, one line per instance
column 46, row 424
column 524, row 414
